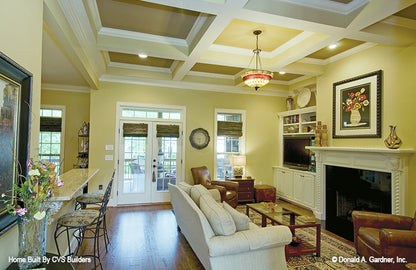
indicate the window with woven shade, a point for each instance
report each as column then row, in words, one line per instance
column 229, row 140
column 51, row 136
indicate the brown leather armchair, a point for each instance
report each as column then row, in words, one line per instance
column 227, row 189
column 391, row 236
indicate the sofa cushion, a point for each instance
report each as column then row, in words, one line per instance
column 185, row 187
column 197, row 191
column 241, row 221
column 220, row 220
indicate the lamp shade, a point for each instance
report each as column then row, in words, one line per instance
column 239, row 160
column 257, row 78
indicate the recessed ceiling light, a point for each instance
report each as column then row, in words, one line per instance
column 142, row 55
column 332, row 46
column 282, row 72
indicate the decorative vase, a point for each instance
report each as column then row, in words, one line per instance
column 392, row 141
column 355, row 117
column 32, row 241
column 289, row 102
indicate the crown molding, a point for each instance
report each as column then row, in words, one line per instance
column 66, row 88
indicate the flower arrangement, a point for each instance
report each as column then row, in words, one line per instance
column 356, row 101
column 33, row 190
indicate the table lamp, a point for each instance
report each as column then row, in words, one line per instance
column 238, row 166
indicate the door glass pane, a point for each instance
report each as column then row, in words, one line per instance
column 166, row 162
column 134, row 164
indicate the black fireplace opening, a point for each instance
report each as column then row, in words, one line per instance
column 349, row 189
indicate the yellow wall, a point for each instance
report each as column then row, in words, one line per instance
column 77, row 110
column 21, row 40
column 398, row 99
column 261, row 124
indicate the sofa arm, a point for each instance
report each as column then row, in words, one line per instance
column 227, row 184
column 380, row 220
column 391, row 237
column 254, row 239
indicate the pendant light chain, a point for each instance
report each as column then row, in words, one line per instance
column 257, row 78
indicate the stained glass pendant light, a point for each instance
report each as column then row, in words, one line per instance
column 257, row 77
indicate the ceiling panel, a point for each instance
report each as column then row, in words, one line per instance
column 56, row 69
column 216, row 69
column 342, row 46
column 136, row 60
column 408, row 13
column 285, row 77
column 239, row 33
column 144, row 17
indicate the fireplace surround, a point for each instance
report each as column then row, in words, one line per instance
column 392, row 161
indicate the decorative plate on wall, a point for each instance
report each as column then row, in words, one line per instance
column 304, row 97
column 199, row 138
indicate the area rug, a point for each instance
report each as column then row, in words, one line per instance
column 332, row 250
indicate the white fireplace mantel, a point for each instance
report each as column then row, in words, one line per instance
column 394, row 161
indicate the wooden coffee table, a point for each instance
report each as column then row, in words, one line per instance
column 277, row 217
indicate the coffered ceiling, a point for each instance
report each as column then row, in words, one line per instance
column 207, row 44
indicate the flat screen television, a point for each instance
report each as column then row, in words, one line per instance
column 294, row 153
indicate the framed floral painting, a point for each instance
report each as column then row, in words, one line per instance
column 357, row 107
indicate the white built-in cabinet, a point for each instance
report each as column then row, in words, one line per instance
column 295, row 186
column 291, row 184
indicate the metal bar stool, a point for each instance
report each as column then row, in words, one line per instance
column 95, row 199
column 81, row 222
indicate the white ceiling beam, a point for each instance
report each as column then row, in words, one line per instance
column 194, row 86
column 117, row 41
column 209, row 7
column 68, row 23
column 376, row 11
column 215, row 28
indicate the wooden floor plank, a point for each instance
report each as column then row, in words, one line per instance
column 144, row 237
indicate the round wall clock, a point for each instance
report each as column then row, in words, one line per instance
column 199, row 138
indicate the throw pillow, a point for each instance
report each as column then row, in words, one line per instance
column 220, row 220
column 241, row 221
column 197, row 191
column 185, row 187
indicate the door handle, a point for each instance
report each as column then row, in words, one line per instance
column 154, row 177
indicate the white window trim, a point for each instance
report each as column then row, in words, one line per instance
column 243, row 138
column 146, row 106
column 62, row 155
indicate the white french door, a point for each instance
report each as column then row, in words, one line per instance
column 149, row 159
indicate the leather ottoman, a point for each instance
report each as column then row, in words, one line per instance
column 264, row 193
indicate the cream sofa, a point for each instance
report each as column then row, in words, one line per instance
column 255, row 248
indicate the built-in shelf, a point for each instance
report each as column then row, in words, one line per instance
column 298, row 122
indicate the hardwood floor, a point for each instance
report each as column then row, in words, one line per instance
column 143, row 237
column 146, row 237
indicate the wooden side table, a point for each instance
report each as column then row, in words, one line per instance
column 245, row 189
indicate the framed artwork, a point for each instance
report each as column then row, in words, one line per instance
column 357, row 107
column 15, row 90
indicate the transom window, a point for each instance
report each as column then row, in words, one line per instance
column 151, row 114
column 229, row 140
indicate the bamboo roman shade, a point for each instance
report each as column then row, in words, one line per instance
column 230, row 129
column 50, row 124
column 167, row 131
column 134, row 130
